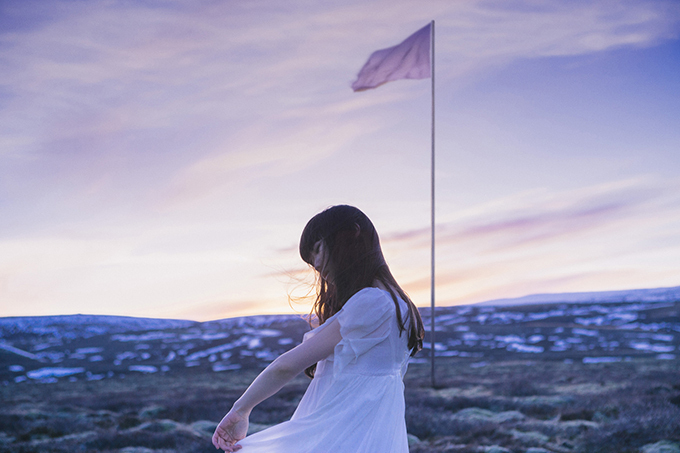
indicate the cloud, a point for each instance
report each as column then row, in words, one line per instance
column 114, row 117
column 227, row 308
column 175, row 87
column 528, row 218
column 555, row 28
column 548, row 241
column 157, row 67
column 257, row 155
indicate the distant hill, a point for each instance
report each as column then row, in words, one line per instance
column 600, row 297
column 589, row 327
column 83, row 326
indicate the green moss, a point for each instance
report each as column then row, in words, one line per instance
column 256, row 427
column 663, row 446
column 530, row 437
column 412, row 440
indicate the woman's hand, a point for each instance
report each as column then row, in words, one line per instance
column 230, row 430
column 234, row 425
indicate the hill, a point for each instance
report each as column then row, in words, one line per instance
column 643, row 323
column 602, row 297
column 576, row 376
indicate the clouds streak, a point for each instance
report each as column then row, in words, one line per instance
column 140, row 139
column 558, row 239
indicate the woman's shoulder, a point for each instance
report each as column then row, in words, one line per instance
column 370, row 296
column 367, row 309
column 371, row 292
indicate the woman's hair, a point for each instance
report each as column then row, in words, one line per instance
column 355, row 261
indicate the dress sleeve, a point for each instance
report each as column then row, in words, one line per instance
column 364, row 323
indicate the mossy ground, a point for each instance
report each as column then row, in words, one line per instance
column 516, row 406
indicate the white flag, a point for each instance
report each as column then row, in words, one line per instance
column 408, row 60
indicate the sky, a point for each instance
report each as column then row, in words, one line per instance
column 160, row 158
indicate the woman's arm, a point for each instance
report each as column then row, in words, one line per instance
column 234, row 425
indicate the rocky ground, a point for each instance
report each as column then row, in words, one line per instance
column 507, row 406
column 48, row 349
column 528, row 406
column 579, row 377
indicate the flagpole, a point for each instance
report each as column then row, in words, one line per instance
column 432, row 212
column 406, row 61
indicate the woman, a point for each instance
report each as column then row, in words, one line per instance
column 357, row 356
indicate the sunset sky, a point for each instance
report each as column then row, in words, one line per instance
column 160, row 158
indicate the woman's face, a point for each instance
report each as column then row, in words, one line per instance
column 320, row 258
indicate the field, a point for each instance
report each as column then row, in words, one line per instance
column 515, row 406
column 580, row 377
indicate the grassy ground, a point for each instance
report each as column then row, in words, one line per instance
column 614, row 407
column 504, row 406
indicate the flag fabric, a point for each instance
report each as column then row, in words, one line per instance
column 408, row 60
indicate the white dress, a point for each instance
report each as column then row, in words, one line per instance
column 355, row 403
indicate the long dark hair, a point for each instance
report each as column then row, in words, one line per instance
column 356, row 261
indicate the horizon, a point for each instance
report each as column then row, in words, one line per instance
column 162, row 160
column 503, row 303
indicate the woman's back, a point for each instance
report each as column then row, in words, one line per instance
column 358, row 356
column 371, row 342
column 355, row 403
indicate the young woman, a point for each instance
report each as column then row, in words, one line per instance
column 368, row 328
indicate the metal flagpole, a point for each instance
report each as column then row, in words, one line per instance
column 432, row 211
